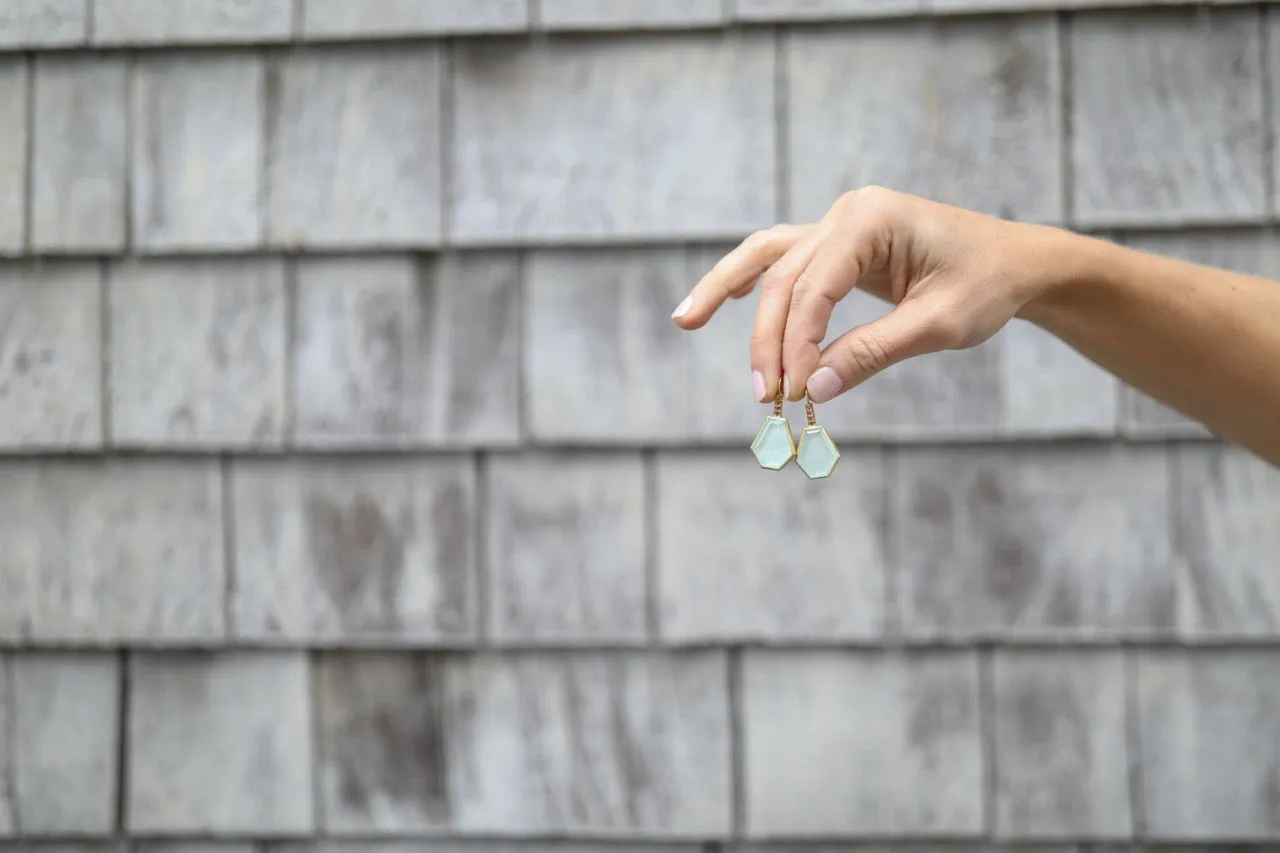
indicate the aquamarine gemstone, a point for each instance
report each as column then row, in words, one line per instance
column 774, row 446
column 817, row 455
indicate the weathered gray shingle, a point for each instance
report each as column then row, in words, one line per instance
column 744, row 553
column 353, row 155
column 8, row 747
column 14, row 78
column 624, row 137
column 197, row 353
column 220, row 744
column 111, row 551
column 578, row 744
column 197, row 152
column 1137, row 79
column 628, row 14
column 344, row 19
column 602, row 359
column 1061, row 747
column 79, row 153
column 861, row 743
column 822, row 10
column 393, row 351
column 50, row 356
column 43, row 23
column 1225, row 512
column 66, row 718
column 964, row 112
column 1210, row 743
column 1066, row 541
column 565, row 545
column 149, row 22
column 354, row 550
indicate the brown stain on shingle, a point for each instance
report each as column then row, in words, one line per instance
column 1010, row 567
column 397, row 748
column 354, row 547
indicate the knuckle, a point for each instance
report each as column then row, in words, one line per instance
column 876, row 198
column 775, row 279
column 868, row 353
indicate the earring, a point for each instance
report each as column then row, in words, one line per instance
column 818, row 455
column 774, row 446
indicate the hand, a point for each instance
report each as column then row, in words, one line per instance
column 955, row 276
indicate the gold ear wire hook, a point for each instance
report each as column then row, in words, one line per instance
column 777, row 404
column 808, row 410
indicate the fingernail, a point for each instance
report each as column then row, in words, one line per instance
column 683, row 308
column 786, row 386
column 824, row 384
column 757, row 385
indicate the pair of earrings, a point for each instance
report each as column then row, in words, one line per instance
column 774, row 446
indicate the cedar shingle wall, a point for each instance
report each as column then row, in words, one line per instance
column 355, row 485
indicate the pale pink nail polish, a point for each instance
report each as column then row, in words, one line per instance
column 682, row 308
column 757, row 385
column 824, row 384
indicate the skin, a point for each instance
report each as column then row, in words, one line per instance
column 1204, row 341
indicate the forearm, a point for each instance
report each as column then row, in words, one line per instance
column 1204, row 341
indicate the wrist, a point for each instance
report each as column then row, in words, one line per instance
column 1065, row 267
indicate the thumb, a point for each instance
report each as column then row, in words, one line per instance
column 912, row 328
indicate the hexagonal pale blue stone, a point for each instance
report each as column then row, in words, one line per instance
column 774, row 446
column 817, row 455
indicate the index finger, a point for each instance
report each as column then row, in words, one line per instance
column 735, row 274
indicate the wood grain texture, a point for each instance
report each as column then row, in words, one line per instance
column 619, row 138
column 109, row 551
column 1210, row 739
column 748, row 554
column 392, row 351
column 1062, row 542
column 50, row 356
column 353, row 152
column 602, row 359
column 566, row 542
column 1061, row 747
column 814, row 723
column 14, row 142
column 1167, row 117
column 197, row 353
column 197, row 152
column 354, row 551
column 962, row 112
column 628, row 14
column 569, row 745
column 66, row 709
column 79, row 153
column 822, row 10
column 340, row 19
column 1228, row 544
column 160, row 22
column 238, row 726
column 43, row 23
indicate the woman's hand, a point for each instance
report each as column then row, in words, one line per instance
column 1204, row 341
column 955, row 276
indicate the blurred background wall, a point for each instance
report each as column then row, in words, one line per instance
column 356, row 485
